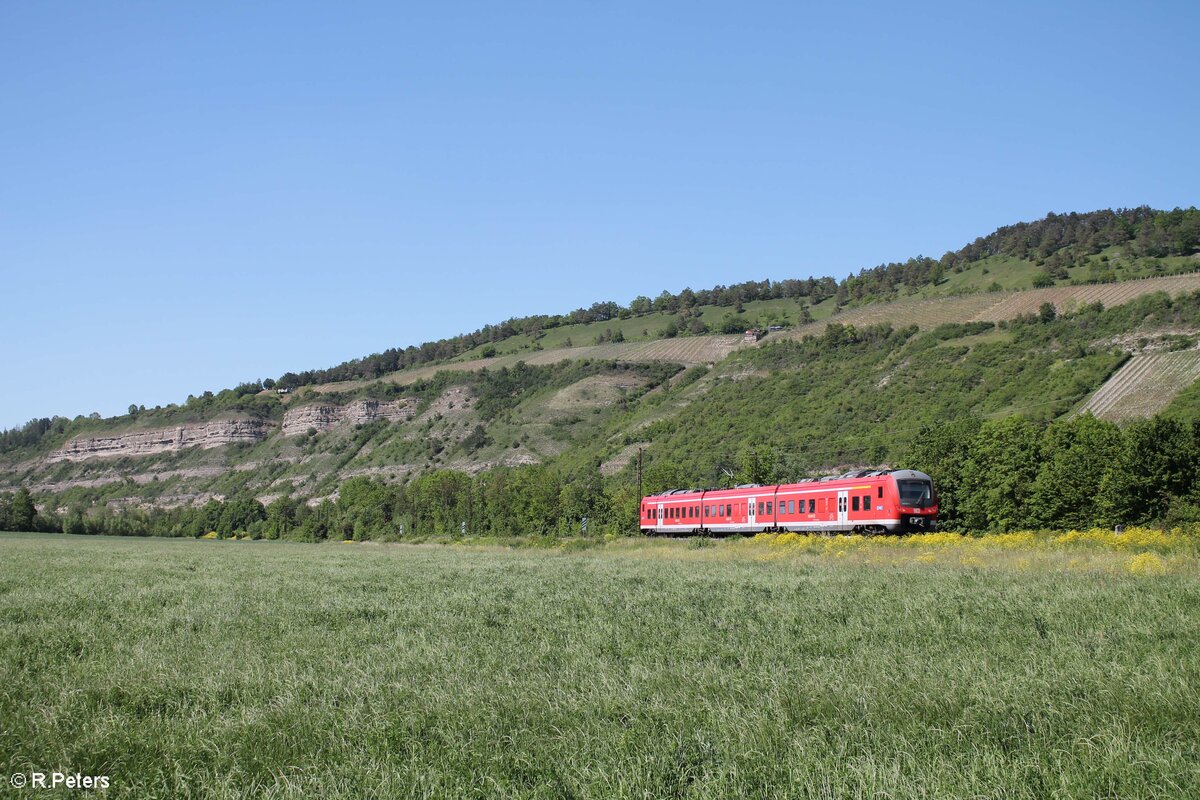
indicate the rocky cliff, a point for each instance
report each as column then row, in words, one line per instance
column 215, row 433
column 323, row 417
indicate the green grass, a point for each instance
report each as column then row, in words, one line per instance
column 185, row 668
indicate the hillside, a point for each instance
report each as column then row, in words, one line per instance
column 837, row 396
column 848, row 378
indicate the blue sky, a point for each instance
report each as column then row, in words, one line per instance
column 193, row 195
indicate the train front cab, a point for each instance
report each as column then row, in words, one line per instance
column 915, row 503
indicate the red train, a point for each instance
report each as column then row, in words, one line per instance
column 864, row 501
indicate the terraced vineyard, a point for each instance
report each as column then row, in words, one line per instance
column 922, row 313
column 1145, row 385
column 999, row 306
column 688, row 351
column 1066, row 298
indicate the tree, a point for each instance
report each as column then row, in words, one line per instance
column 998, row 476
column 239, row 516
column 942, row 451
column 23, row 513
column 757, row 465
column 1157, row 464
column 583, row 496
column 1079, row 451
column 536, row 500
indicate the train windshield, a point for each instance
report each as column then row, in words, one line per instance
column 916, row 494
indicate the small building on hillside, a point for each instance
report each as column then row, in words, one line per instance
column 752, row 336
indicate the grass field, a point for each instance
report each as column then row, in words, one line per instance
column 772, row 667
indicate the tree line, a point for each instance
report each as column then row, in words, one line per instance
column 528, row 500
column 1077, row 472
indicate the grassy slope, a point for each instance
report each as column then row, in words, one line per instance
column 219, row 670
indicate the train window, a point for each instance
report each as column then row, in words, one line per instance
column 812, row 505
column 880, row 492
column 855, row 506
column 760, row 508
column 768, row 509
column 791, row 506
column 866, row 502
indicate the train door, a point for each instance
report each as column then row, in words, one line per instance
column 750, row 512
column 661, row 514
column 843, row 506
